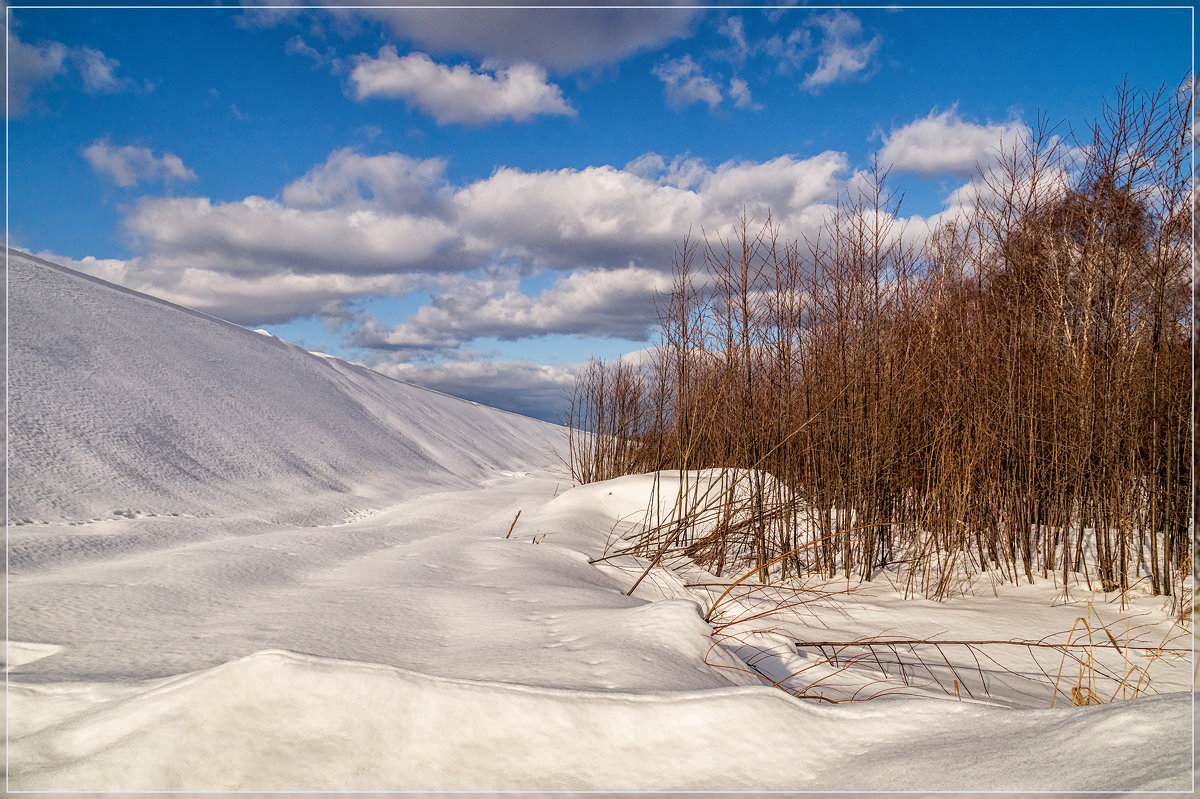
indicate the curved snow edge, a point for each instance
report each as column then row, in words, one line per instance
column 278, row 720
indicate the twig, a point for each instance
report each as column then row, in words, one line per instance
column 514, row 524
column 939, row 642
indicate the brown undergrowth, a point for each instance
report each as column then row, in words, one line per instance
column 1007, row 393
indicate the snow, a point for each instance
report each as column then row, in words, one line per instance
column 234, row 565
column 296, row 721
column 120, row 404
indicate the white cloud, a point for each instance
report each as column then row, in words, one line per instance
column 617, row 230
column 647, row 165
column 458, row 94
column 616, row 303
column 356, row 214
column 97, row 71
column 114, row 270
column 842, row 52
column 739, row 90
column 357, row 226
column 563, row 40
column 997, row 188
column 297, row 46
column 32, row 65
column 28, row 66
column 271, row 299
column 945, row 144
column 128, row 165
column 257, row 235
column 519, row 386
column 785, row 185
column 248, row 299
column 570, row 218
column 740, row 47
column 347, row 179
column 686, row 172
column 684, row 83
column 791, row 51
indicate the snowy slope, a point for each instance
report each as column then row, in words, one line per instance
column 239, row 566
column 121, row 404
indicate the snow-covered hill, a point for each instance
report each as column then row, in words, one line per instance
column 234, row 565
column 124, row 405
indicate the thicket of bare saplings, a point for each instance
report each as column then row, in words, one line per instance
column 1009, row 391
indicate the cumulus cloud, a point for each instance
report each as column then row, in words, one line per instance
column 682, row 171
column 529, row 389
column 247, row 299
column 357, row 226
column 393, row 181
column 842, row 52
column 791, row 51
column 269, row 299
column 739, row 91
column 114, row 270
column 569, row 218
column 647, row 165
column 128, row 165
column 946, row 144
column 257, row 235
column 616, row 303
column 786, row 185
column 740, row 47
column 616, row 229
column 458, row 94
column 351, row 215
column 32, row 65
column 562, row 40
column 982, row 192
column 684, row 83
column 97, row 71
column 604, row 216
column 597, row 241
column 28, row 66
column 357, row 214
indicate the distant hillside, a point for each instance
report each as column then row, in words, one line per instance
column 123, row 404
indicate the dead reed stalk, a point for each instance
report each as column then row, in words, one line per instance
column 1009, row 393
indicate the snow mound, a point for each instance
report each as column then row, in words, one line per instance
column 18, row 653
column 296, row 722
column 249, row 567
column 125, row 406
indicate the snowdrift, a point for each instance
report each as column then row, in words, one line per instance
column 235, row 565
column 290, row 721
column 124, row 405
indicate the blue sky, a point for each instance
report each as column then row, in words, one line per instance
column 478, row 200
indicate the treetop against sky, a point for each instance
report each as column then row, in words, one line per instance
column 478, row 199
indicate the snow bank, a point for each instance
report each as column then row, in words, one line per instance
column 122, row 405
column 291, row 722
column 241, row 566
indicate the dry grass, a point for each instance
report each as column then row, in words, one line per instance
column 1008, row 394
column 1096, row 663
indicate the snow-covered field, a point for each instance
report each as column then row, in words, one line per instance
column 235, row 565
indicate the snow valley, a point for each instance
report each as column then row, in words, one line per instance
column 237, row 565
